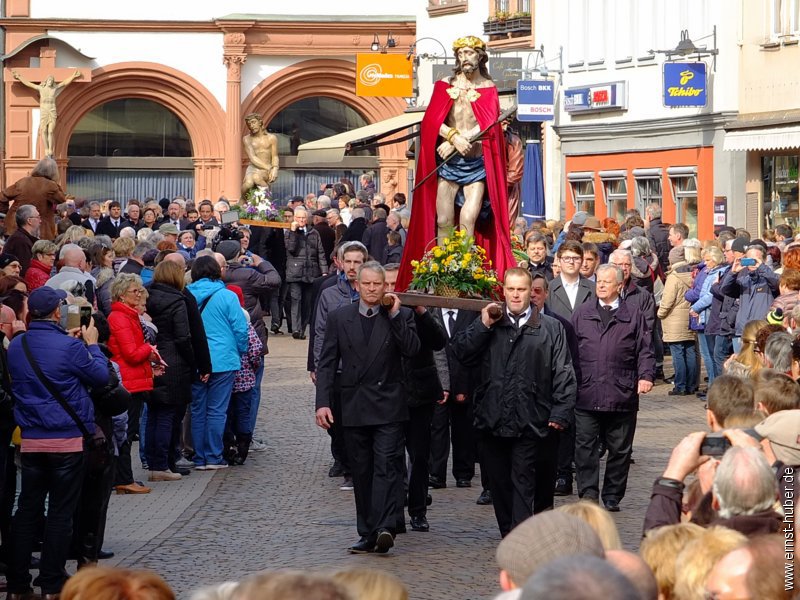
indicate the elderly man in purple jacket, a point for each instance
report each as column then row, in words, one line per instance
column 615, row 364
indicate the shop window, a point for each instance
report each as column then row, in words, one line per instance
column 684, row 192
column 648, row 188
column 582, row 185
column 780, row 193
column 130, row 127
column 312, row 119
column 615, row 190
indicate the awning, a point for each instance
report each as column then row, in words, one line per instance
column 332, row 149
column 763, row 138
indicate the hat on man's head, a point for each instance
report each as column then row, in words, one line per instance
column 542, row 538
column 579, row 218
column 319, row 213
column 7, row 259
column 676, row 255
column 592, row 223
column 230, row 249
column 739, row 245
column 44, row 300
column 168, row 229
column 782, row 429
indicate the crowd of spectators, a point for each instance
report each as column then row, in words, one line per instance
column 143, row 323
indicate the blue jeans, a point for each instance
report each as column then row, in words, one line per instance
column 239, row 411
column 59, row 475
column 209, row 411
column 143, row 435
column 737, row 344
column 722, row 351
column 707, row 352
column 256, row 397
column 684, row 361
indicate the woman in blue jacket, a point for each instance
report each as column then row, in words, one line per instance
column 701, row 298
column 226, row 331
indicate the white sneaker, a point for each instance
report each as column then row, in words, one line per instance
column 215, row 467
column 257, row 446
column 347, row 486
column 163, row 476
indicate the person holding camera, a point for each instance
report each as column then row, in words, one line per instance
column 305, row 261
column 756, row 286
column 51, row 372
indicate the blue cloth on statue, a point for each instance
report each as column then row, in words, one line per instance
column 464, row 171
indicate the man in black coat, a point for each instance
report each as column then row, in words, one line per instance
column 375, row 235
column 658, row 234
column 526, row 396
column 615, row 364
column 370, row 341
column 424, row 391
column 326, row 233
column 113, row 223
column 305, row 261
column 355, row 231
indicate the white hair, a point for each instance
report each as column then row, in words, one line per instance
column 744, row 483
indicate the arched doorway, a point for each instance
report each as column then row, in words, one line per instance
column 311, row 119
column 130, row 148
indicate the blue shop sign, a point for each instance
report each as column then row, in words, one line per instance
column 685, row 84
column 535, row 100
column 596, row 98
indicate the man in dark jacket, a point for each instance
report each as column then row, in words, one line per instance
column 358, row 225
column 615, row 364
column 526, row 395
column 305, row 261
column 325, row 231
column 369, row 342
column 658, row 234
column 569, row 290
column 20, row 243
column 424, row 389
column 113, row 223
column 269, row 243
column 375, row 235
column 52, row 435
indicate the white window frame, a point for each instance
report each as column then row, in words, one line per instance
column 607, row 177
column 680, row 173
column 582, row 177
column 642, row 175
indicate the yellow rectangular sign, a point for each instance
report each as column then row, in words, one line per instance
column 383, row 75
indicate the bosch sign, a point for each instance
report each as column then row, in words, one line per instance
column 595, row 98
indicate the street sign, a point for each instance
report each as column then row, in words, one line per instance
column 535, row 100
column 685, row 84
column 505, row 72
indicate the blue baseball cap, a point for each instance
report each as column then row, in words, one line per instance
column 44, row 300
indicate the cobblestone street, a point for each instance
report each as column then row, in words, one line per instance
column 282, row 510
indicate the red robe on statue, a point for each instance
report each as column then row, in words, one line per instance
column 493, row 233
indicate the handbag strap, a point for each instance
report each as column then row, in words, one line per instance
column 53, row 390
column 205, row 302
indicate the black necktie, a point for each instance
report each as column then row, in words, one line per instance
column 607, row 307
column 516, row 319
column 451, row 322
column 116, row 224
column 369, row 313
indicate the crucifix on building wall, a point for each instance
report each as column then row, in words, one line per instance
column 48, row 88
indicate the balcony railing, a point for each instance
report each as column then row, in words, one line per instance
column 512, row 25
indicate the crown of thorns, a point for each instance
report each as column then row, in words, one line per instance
column 469, row 41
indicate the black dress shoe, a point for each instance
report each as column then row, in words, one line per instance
column 276, row 330
column 674, row 392
column 428, row 499
column 669, row 380
column 485, row 498
column 563, row 487
column 436, row 483
column 105, row 554
column 336, row 470
column 362, row 546
column 420, row 523
column 611, row 505
column 463, row 483
column 384, row 541
column 296, row 335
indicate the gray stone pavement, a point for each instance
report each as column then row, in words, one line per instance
column 281, row 510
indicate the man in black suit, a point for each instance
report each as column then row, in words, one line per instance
column 452, row 418
column 113, row 223
column 370, row 341
column 95, row 216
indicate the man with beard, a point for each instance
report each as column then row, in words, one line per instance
column 474, row 180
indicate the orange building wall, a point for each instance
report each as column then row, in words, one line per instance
column 702, row 158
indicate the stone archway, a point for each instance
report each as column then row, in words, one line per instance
column 334, row 79
column 191, row 102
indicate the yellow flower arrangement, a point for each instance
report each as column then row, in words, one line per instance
column 459, row 265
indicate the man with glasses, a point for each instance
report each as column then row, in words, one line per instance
column 567, row 292
column 21, row 242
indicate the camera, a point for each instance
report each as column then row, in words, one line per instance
column 747, row 262
column 228, row 229
column 715, row 444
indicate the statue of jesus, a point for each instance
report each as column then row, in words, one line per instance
column 48, row 90
column 261, row 148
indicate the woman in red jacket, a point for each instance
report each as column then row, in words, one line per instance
column 133, row 355
column 41, row 267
